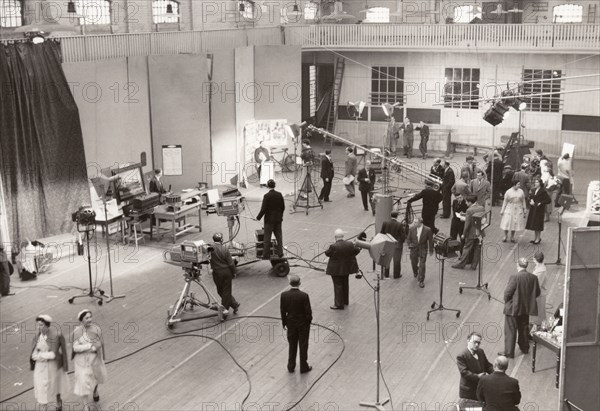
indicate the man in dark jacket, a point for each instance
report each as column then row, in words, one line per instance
column 366, row 184
column 519, row 303
column 472, row 365
column 327, row 173
column 296, row 316
column 471, row 235
column 223, row 271
column 498, row 391
column 448, row 181
column 431, row 203
column 424, row 132
column 342, row 262
column 397, row 230
column 272, row 208
column 420, row 241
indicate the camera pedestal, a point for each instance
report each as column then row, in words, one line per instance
column 480, row 287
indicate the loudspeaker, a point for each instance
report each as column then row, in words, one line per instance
column 383, row 209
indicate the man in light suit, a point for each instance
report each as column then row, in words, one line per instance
column 296, row 316
column 272, row 208
column 481, row 188
column 350, row 165
column 471, row 235
column 420, row 241
column 519, row 303
column 498, row 391
column 342, row 262
column 524, row 178
column 397, row 230
column 472, row 365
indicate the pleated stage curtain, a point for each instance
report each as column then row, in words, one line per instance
column 42, row 159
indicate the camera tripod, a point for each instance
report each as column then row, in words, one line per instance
column 440, row 306
column 98, row 293
column 481, row 287
column 308, row 188
column 183, row 309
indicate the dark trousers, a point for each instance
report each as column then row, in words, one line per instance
column 429, row 221
column 408, row 148
column 258, row 168
column 456, row 228
column 397, row 260
column 298, row 337
column 418, row 257
column 222, row 280
column 341, row 290
column 366, row 198
column 564, row 188
column 471, row 253
column 270, row 229
column 446, row 202
column 423, row 146
column 513, row 326
column 325, row 190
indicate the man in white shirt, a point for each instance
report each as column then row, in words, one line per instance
column 564, row 174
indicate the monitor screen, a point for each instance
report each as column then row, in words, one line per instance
column 130, row 184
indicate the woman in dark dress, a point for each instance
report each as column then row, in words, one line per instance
column 537, row 209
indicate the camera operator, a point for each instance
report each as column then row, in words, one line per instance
column 223, row 271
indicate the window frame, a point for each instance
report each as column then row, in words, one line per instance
column 467, row 80
column 569, row 14
column 542, row 104
column 18, row 16
column 384, row 78
column 161, row 12
column 380, row 14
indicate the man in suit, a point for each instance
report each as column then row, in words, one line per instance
column 470, row 167
column 431, row 203
column 156, row 186
column 272, row 208
column 366, row 184
column 457, row 226
column 420, row 240
column 498, row 391
column 261, row 154
column 471, row 235
column 448, row 181
column 481, row 188
column 350, row 170
column 397, row 230
column 523, row 177
column 407, row 137
column 437, row 169
column 342, row 262
column 472, row 365
column 519, row 303
column 327, row 173
column 296, row 316
column 424, row 132
column 223, row 271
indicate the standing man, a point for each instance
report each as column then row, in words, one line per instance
column 448, row 180
column 523, row 177
column 156, row 186
column 407, row 137
column 472, row 365
column 342, row 262
column 296, row 316
column 397, row 230
column 470, row 167
column 366, row 184
column 457, row 225
column 481, row 188
column 437, row 169
column 272, row 208
column 392, row 134
column 327, row 173
column 424, row 132
column 261, row 154
column 431, row 203
column 519, row 303
column 420, row 240
column 499, row 391
column 564, row 174
column 223, row 271
column 471, row 236
column 350, row 170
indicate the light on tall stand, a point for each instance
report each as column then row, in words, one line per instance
column 388, row 110
column 355, row 112
column 381, row 249
column 102, row 186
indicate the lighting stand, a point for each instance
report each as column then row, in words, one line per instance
column 481, row 287
column 295, row 165
column 440, row 306
column 112, row 296
column 87, row 229
column 558, row 260
column 310, row 190
column 379, row 402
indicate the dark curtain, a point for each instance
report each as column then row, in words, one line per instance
column 41, row 146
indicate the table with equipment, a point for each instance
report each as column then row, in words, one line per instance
column 553, row 345
column 176, row 210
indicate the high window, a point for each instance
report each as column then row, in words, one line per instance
column 387, row 85
column 94, row 11
column 165, row 11
column 312, row 86
column 540, row 85
column 378, row 15
column 11, row 13
column 464, row 14
column 461, row 87
column 567, row 13
column 310, row 10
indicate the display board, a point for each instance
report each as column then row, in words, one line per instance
column 130, row 182
column 272, row 133
column 574, row 122
column 580, row 359
column 172, row 160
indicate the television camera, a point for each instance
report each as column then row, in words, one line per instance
column 445, row 247
column 84, row 216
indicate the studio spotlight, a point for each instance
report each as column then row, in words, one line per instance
column 512, row 101
column 496, row 113
column 359, row 106
column 388, row 109
column 36, row 37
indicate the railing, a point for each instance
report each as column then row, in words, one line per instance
column 564, row 38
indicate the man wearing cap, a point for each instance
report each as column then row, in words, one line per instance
column 327, row 173
column 223, row 271
column 420, row 240
column 342, row 263
column 519, row 303
column 397, row 230
column 296, row 316
column 261, row 154
column 272, row 208
column 471, row 235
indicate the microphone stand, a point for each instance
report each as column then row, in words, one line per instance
column 440, row 306
column 481, row 287
column 558, row 260
column 112, row 296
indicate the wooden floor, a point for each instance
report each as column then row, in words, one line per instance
column 190, row 372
